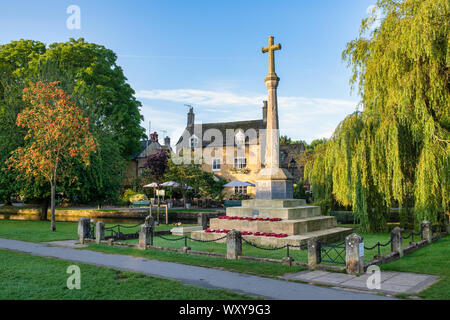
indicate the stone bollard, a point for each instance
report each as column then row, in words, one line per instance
column 185, row 249
column 99, row 232
column 313, row 253
column 397, row 240
column 202, row 220
column 234, row 244
column 354, row 254
column 426, row 231
column 146, row 233
column 84, row 224
column 287, row 261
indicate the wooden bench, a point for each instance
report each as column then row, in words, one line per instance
column 232, row 203
column 142, row 203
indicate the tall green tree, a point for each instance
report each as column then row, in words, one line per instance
column 396, row 151
column 90, row 75
column 57, row 132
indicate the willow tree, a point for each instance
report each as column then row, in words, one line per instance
column 402, row 71
column 319, row 175
column 396, row 151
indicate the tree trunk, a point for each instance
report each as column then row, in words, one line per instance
column 53, row 223
column 44, row 210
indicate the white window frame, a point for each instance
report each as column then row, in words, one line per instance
column 240, row 190
column 216, row 164
column 193, row 141
column 240, row 164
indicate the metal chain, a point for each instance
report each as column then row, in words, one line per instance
column 301, row 246
column 168, row 239
column 200, row 240
column 269, row 249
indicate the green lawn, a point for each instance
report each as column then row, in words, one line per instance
column 26, row 276
column 432, row 259
column 39, row 231
column 248, row 250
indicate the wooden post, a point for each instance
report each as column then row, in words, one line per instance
column 167, row 213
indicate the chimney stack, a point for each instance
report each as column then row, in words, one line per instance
column 190, row 116
column 167, row 141
column 154, row 137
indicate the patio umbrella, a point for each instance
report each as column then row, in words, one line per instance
column 170, row 184
column 151, row 185
column 237, row 183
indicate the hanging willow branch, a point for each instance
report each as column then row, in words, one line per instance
column 396, row 151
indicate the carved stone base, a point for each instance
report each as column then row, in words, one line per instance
column 274, row 189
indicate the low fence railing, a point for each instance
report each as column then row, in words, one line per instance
column 319, row 254
column 333, row 253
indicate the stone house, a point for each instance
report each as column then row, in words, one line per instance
column 232, row 150
column 136, row 165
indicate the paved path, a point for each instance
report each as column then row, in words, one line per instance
column 391, row 282
column 198, row 276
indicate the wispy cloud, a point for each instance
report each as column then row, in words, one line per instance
column 200, row 97
column 216, row 98
column 300, row 117
column 375, row 13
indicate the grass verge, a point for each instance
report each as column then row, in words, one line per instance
column 243, row 266
column 28, row 277
column 431, row 259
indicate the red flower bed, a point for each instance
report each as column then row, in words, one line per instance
column 208, row 230
column 250, row 218
column 249, row 233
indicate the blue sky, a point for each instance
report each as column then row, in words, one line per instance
column 208, row 54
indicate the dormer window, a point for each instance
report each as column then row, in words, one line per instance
column 193, row 142
column 239, row 138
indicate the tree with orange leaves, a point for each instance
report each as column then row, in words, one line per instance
column 57, row 133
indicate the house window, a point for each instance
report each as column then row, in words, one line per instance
column 216, row 164
column 194, row 141
column 240, row 163
column 240, row 190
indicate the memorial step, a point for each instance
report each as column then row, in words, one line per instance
column 288, row 213
column 277, row 203
column 331, row 235
column 290, row 227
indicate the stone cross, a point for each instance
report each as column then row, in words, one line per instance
column 271, row 48
column 272, row 181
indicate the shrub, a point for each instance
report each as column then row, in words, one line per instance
column 138, row 197
column 127, row 195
